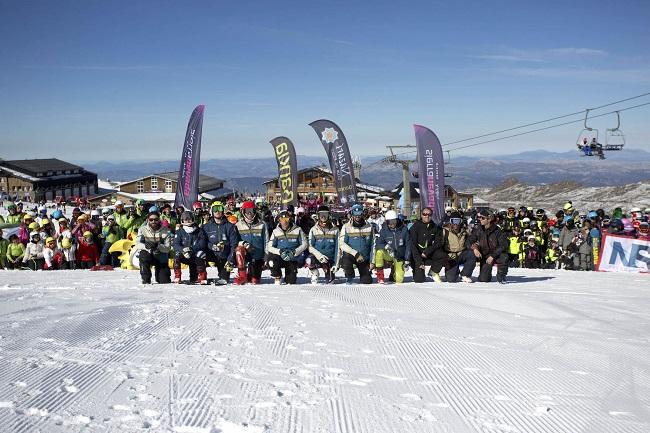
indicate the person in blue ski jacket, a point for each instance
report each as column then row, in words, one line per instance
column 323, row 246
column 285, row 246
column 251, row 250
column 393, row 245
column 357, row 244
column 222, row 239
column 189, row 248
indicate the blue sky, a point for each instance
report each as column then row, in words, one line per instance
column 91, row 80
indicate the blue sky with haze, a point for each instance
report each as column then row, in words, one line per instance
column 91, row 80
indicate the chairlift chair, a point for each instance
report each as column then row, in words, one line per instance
column 587, row 133
column 614, row 137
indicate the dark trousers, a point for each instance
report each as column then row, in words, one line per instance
column 195, row 264
column 290, row 268
column 315, row 264
column 348, row 263
column 501, row 262
column 513, row 260
column 85, row 264
column 15, row 265
column 467, row 259
column 220, row 263
column 161, row 267
column 107, row 258
column 436, row 260
column 35, row 264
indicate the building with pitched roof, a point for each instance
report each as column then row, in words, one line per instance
column 45, row 179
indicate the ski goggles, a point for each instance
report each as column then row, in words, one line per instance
column 456, row 220
column 250, row 212
column 284, row 217
column 324, row 215
column 217, row 208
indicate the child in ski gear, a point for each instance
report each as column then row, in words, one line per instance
column 532, row 256
column 189, row 248
column 154, row 243
column 286, row 244
column 357, row 243
column 553, row 253
column 392, row 245
column 52, row 255
column 4, row 244
column 427, row 247
column 222, row 239
column 251, row 250
column 515, row 247
column 15, row 253
column 111, row 233
column 68, row 250
column 33, row 257
column 87, row 254
column 323, row 246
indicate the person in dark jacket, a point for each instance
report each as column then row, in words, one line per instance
column 250, row 253
column 427, row 247
column 189, row 248
column 222, row 239
column 392, row 245
column 490, row 246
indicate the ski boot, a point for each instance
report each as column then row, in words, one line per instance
column 380, row 276
column 203, row 278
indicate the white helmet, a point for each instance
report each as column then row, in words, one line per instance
column 300, row 210
column 94, row 212
column 390, row 215
column 635, row 209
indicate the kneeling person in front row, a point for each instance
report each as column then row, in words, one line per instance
column 222, row 238
column 393, row 246
column 154, row 242
column 357, row 243
column 189, row 249
column 286, row 244
column 323, row 246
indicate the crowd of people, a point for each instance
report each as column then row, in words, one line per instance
column 250, row 236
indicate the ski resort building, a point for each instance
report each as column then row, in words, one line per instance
column 319, row 181
column 157, row 188
column 51, row 179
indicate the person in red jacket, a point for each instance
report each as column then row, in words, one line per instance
column 87, row 253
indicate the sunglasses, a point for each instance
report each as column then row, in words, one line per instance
column 426, row 214
column 455, row 220
column 217, row 209
column 481, row 217
column 323, row 214
column 154, row 220
column 249, row 211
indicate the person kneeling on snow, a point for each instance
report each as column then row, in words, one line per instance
column 323, row 246
column 15, row 252
column 154, row 242
column 357, row 243
column 427, row 247
column 249, row 255
column 456, row 243
column 87, row 254
column 33, row 257
column 392, row 245
column 189, row 248
column 222, row 239
column 286, row 244
column 490, row 246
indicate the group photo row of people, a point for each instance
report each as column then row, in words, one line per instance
column 249, row 236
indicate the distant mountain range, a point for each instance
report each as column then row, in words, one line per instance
column 535, row 167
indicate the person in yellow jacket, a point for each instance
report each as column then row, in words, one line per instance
column 15, row 253
column 553, row 253
column 515, row 247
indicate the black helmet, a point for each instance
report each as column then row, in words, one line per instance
column 323, row 208
column 540, row 212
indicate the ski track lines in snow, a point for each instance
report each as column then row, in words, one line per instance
column 101, row 353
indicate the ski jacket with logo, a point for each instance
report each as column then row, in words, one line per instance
column 455, row 243
column 162, row 237
column 324, row 241
column 195, row 240
column 397, row 240
column 355, row 239
column 425, row 238
column 222, row 232
column 292, row 239
column 255, row 234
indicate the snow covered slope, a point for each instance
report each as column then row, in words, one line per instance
column 553, row 351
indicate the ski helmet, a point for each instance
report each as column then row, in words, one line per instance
column 356, row 210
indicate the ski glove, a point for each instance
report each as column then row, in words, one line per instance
column 200, row 255
column 218, row 247
column 359, row 258
column 187, row 252
column 229, row 267
column 407, row 265
column 323, row 259
column 247, row 245
column 286, row 255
